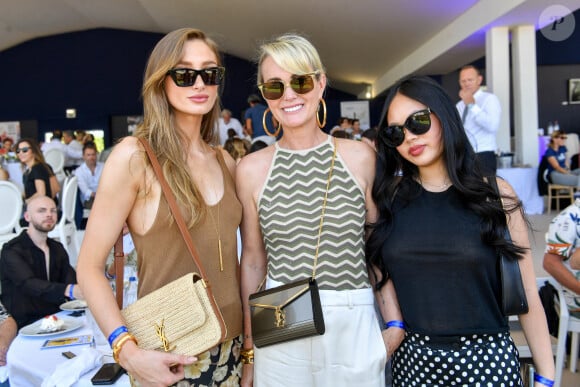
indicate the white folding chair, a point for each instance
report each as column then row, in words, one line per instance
column 66, row 229
column 56, row 158
column 10, row 207
column 559, row 345
column 574, row 329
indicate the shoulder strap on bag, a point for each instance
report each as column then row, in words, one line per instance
column 119, row 270
column 178, row 219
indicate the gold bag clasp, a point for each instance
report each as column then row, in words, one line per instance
column 160, row 332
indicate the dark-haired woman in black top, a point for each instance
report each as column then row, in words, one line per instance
column 438, row 236
column 37, row 173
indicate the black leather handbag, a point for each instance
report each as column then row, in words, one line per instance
column 291, row 311
column 286, row 312
column 514, row 301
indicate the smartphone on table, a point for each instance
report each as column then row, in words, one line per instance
column 107, row 374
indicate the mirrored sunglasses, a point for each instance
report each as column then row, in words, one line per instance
column 24, row 149
column 184, row 77
column 300, row 84
column 417, row 123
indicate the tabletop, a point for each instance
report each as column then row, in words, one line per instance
column 28, row 364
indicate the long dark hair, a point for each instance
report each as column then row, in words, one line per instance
column 395, row 175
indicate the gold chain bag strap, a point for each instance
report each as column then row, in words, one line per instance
column 291, row 311
column 181, row 317
column 513, row 295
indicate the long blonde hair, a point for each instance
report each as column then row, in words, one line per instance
column 159, row 127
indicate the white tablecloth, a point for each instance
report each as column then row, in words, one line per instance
column 28, row 365
column 524, row 182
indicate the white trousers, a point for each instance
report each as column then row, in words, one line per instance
column 350, row 353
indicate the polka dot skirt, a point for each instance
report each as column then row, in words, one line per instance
column 475, row 360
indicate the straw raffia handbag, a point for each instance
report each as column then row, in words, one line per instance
column 181, row 317
column 291, row 311
column 513, row 294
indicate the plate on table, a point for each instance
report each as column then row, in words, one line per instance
column 34, row 328
column 74, row 305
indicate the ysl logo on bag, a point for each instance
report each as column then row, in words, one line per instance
column 280, row 317
column 160, row 331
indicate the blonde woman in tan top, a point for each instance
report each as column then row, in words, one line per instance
column 181, row 107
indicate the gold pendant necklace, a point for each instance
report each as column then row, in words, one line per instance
column 217, row 231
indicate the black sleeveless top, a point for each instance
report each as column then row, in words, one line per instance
column 446, row 278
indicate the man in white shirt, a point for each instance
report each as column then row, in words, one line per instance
column 228, row 122
column 89, row 174
column 55, row 142
column 480, row 112
column 74, row 151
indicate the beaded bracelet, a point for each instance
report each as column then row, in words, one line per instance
column 70, row 291
column 395, row 324
column 116, row 333
column 545, row 381
column 119, row 345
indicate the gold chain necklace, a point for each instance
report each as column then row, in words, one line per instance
column 216, row 226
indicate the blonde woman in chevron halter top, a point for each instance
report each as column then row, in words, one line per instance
column 282, row 189
column 181, row 107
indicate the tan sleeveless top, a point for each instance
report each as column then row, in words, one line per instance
column 163, row 255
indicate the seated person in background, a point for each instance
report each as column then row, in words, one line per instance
column 89, row 174
column 369, row 137
column 227, row 122
column 356, row 130
column 562, row 254
column 8, row 331
column 4, row 175
column 38, row 177
column 558, row 169
column 237, row 148
column 74, row 151
column 257, row 145
column 7, row 143
column 35, row 271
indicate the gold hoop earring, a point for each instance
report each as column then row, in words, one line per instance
column 324, row 112
column 275, row 134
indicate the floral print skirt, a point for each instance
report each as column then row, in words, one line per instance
column 220, row 366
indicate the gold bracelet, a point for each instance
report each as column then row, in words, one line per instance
column 119, row 345
column 247, row 356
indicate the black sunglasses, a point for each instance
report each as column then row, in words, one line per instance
column 184, row 77
column 418, row 123
column 24, row 149
column 301, row 84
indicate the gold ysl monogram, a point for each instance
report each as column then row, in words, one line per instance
column 160, row 331
column 280, row 317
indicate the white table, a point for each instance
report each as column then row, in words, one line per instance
column 524, row 182
column 28, row 365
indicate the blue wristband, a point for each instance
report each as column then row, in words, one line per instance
column 395, row 324
column 545, row 381
column 70, row 291
column 116, row 333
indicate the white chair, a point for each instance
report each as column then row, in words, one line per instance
column 572, row 146
column 10, row 207
column 66, row 229
column 574, row 329
column 55, row 158
column 559, row 345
